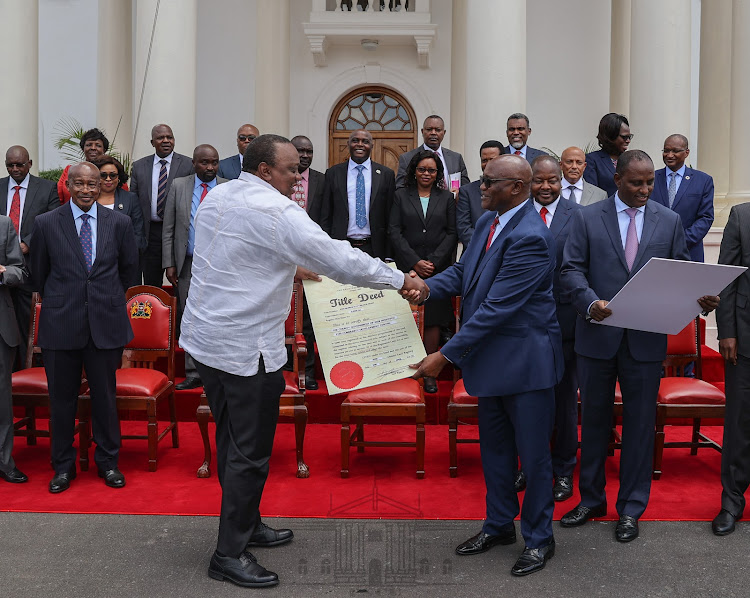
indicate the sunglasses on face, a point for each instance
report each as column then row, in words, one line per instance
column 245, row 137
column 108, row 175
column 627, row 137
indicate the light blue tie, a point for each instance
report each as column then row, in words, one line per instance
column 361, row 209
column 86, row 244
column 672, row 191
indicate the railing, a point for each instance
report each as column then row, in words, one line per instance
column 389, row 6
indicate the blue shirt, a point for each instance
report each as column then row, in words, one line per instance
column 679, row 175
column 197, row 192
column 505, row 218
column 77, row 213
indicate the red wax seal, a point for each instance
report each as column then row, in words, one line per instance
column 346, row 374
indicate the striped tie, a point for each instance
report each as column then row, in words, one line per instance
column 161, row 194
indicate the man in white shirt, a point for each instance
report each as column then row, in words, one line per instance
column 573, row 164
column 231, row 167
column 249, row 240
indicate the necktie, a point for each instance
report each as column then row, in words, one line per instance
column 672, row 191
column 85, row 236
column 543, row 213
column 161, row 193
column 15, row 209
column 517, row 152
column 299, row 194
column 492, row 233
column 361, row 210
column 204, row 192
column 631, row 239
column 572, row 196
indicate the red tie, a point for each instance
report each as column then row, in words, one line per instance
column 15, row 208
column 492, row 233
column 517, row 152
column 204, row 192
column 543, row 213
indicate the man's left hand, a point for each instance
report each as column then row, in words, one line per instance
column 708, row 303
column 24, row 248
column 305, row 274
column 430, row 366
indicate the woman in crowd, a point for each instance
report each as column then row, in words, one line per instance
column 422, row 231
column 614, row 138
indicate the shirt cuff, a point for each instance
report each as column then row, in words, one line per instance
column 446, row 359
column 588, row 311
column 397, row 281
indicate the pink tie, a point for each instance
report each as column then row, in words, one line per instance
column 543, row 213
column 631, row 239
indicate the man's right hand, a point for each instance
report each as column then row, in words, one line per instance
column 599, row 310
column 728, row 350
column 415, row 290
column 424, row 268
column 172, row 275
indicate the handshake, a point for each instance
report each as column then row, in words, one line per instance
column 415, row 290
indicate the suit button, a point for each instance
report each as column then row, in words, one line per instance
column 424, row 230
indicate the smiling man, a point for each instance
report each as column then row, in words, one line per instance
column 575, row 187
column 518, row 131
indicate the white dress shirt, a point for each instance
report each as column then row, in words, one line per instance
column 623, row 220
column 353, row 231
column 155, row 182
column 24, row 184
column 249, row 239
column 550, row 210
column 579, row 189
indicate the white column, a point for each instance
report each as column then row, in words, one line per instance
column 164, row 85
column 114, row 82
column 739, row 172
column 272, row 71
column 495, row 84
column 457, row 124
column 659, row 73
column 19, row 73
column 619, row 78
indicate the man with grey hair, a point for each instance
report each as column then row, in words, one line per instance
column 518, row 131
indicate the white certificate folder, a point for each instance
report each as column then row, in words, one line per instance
column 663, row 295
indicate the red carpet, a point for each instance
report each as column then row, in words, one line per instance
column 382, row 482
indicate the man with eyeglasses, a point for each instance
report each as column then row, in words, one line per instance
column 687, row 191
column 231, row 167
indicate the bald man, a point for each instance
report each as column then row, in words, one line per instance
column 178, row 239
column 231, row 167
column 574, row 188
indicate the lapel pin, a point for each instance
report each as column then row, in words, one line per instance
column 120, row 206
column 378, row 171
column 687, row 178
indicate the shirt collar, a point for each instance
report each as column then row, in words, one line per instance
column 24, row 184
column 438, row 151
column 550, row 208
column 305, row 175
column 513, row 150
column 167, row 158
column 621, row 206
column 211, row 184
column 353, row 165
column 251, row 178
column 505, row 218
column 680, row 171
column 577, row 185
column 78, row 212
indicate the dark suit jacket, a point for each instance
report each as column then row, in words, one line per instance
column 594, row 268
column 733, row 313
column 126, row 202
column 335, row 211
column 14, row 275
column 315, row 187
column 694, row 203
column 140, row 181
column 453, row 160
column 600, row 171
column 508, row 311
column 41, row 197
column 560, row 229
column 531, row 153
column 79, row 305
column 468, row 210
column 415, row 236
column 229, row 168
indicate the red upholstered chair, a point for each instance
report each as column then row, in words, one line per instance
column 292, row 404
column 29, row 388
column 403, row 399
column 140, row 386
column 681, row 397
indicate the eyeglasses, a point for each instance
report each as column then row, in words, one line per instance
column 487, row 181
column 108, row 175
column 424, row 169
column 15, row 164
column 626, row 137
column 246, row 137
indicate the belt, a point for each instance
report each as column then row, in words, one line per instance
column 358, row 242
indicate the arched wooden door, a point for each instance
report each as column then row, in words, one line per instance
column 384, row 113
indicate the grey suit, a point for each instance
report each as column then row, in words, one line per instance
column 10, row 338
column 453, row 160
column 175, row 244
column 591, row 193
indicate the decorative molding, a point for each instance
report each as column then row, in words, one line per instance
column 318, row 45
column 424, row 44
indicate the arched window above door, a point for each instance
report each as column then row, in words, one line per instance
column 374, row 111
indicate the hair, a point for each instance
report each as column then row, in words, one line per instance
column 300, row 138
column 519, row 116
column 630, row 156
column 492, row 143
column 262, row 149
column 609, row 131
column 681, row 137
column 437, row 116
column 546, row 158
column 411, row 169
column 122, row 176
column 93, row 135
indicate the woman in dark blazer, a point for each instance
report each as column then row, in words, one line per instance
column 614, row 138
column 422, row 231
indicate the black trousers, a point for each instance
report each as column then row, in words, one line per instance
column 153, row 273
column 565, row 445
column 246, row 409
column 63, row 370
column 22, row 305
column 735, row 453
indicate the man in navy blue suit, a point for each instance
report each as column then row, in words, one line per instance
column 231, row 167
column 609, row 242
column 82, row 260
column 510, row 350
column 688, row 192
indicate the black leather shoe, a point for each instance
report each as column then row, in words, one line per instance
column 581, row 515
column 113, row 478
column 267, row 536
column 244, row 571
column 311, row 383
column 430, row 385
column 563, row 488
column 520, row 482
column 627, row 529
column 189, row 383
column 14, row 476
column 723, row 523
column 483, row 542
column 533, row 559
column 61, row 482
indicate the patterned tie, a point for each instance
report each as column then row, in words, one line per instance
column 15, row 209
column 492, row 233
column 299, row 194
column 543, row 213
column 517, row 152
column 361, row 210
column 631, row 239
column 85, row 236
column 161, row 193
column 672, row 191
column 204, row 192
column 572, row 196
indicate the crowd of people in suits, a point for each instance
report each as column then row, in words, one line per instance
column 545, row 243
